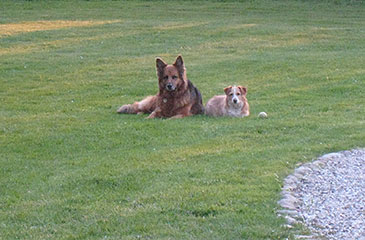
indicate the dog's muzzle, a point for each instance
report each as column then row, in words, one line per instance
column 235, row 100
column 170, row 87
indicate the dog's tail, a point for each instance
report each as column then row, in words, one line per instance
column 196, row 97
column 200, row 100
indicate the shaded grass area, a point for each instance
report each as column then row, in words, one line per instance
column 71, row 168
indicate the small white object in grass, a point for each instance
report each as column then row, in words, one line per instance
column 262, row 115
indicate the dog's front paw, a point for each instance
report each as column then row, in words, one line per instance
column 177, row 116
column 152, row 115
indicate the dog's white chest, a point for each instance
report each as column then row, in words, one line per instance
column 234, row 112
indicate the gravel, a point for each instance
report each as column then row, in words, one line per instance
column 328, row 196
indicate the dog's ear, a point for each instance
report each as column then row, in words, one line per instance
column 227, row 89
column 243, row 90
column 179, row 64
column 160, row 66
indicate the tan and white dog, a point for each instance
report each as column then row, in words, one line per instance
column 233, row 104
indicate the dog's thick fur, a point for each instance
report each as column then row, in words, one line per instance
column 177, row 96
column 233, row 104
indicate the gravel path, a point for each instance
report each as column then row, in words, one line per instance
column 328, row 196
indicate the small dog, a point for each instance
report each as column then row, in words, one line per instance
column 233, row 104
column 177, row 96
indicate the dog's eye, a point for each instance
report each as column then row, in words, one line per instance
column 231, row 94
column 174, row 77
column 238, row 94
column 165, row 77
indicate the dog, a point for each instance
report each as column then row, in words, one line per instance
column 177, row 96
column 233, row 104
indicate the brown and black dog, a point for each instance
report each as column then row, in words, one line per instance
column 177, row 97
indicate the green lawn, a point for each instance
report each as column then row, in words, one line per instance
column 72, row 168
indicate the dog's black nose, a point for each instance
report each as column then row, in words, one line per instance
column 169, row 86
column 235, row 100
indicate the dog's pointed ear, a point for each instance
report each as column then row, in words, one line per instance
column 160, row 66
column 243, row 90
column 227, row 89
column 179, row 64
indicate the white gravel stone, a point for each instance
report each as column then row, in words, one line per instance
column 328, row 196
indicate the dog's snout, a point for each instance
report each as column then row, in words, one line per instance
column 235, row 100
column 169, row 86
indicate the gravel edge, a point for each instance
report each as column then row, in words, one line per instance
column 291, row 201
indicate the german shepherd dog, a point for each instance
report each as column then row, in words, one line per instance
column 177, row 96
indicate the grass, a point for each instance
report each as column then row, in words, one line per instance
column 71, row 168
